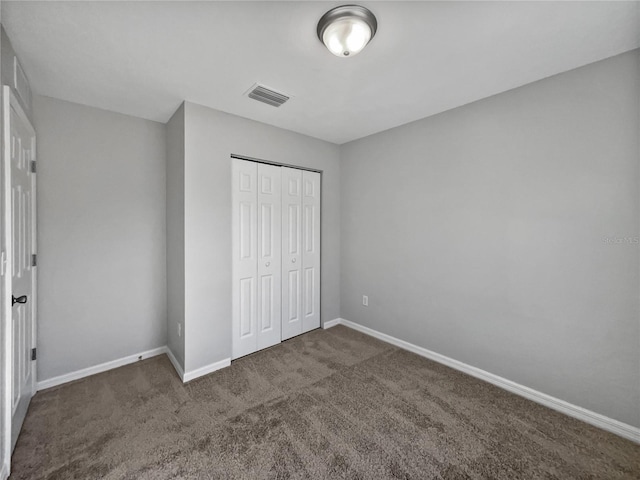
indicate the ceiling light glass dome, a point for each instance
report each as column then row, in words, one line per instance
column 346, row 30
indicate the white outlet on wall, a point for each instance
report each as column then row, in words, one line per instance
column 365, row 300
column 179, row 329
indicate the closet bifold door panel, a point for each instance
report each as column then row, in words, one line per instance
column 310, row 251
column 256, row 250
column 245, row 257
column 300, row 251
column 269, row 255
column 291, row 252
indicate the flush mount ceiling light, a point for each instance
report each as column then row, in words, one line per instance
column 346, row 30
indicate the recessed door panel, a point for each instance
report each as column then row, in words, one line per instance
column 247, row 227
column 293, row 180
column 309, row 185
column 246, row 182
column 294, row 296
column 294, row 229
column 266, row 230
column 309, row 291
column 266, row 304
column 309, row 225
column 266, row 179
column 247, row 307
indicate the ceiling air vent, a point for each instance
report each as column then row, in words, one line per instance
column 266, row 95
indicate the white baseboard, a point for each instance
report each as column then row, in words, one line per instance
column 199, row 372
column 175, row 363
column 331, row 323
column 4, row 472
column 609, row 424
column 103, row 367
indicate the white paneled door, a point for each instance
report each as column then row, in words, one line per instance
column 20, row 245
column 256, row 256
column 310, row 251
column 291, row 252
column 300, row 251
column 269, row 255
column 245, row 257
column 276, row 254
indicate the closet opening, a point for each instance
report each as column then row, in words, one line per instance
column 276, row 212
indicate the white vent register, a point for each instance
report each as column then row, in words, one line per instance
column 266, row 95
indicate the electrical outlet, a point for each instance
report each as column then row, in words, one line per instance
column 179, row 329
column 365, row 300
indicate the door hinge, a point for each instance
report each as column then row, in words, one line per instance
column 33, row 166
column 34, row 354
column 34, row 260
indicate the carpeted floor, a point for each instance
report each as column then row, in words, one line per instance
column 328, row 404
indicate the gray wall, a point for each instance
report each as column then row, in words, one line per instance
column 101, row 236
column 211, row 137
column 480, row 234
column 175, row 234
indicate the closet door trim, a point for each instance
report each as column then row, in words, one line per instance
column 277, row 164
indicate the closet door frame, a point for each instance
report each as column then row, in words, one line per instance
column 303, row 169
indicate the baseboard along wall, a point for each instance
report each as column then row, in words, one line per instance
column 176, row 365
column 596, row 419
column 207, row 369
column 4, row 472
column 121, row 362
column 103, row 367
column 198, row 372
column 331, row 323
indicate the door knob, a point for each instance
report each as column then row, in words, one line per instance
column 293, row 260
column 267, row 264
column 20, row 299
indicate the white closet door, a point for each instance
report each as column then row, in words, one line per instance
column 245, row 257
column 291, row 252
column 310, row 251
column 269, row 256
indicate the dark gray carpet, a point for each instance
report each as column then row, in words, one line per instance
column 328, row 404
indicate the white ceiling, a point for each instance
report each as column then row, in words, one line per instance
column 144, row 58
